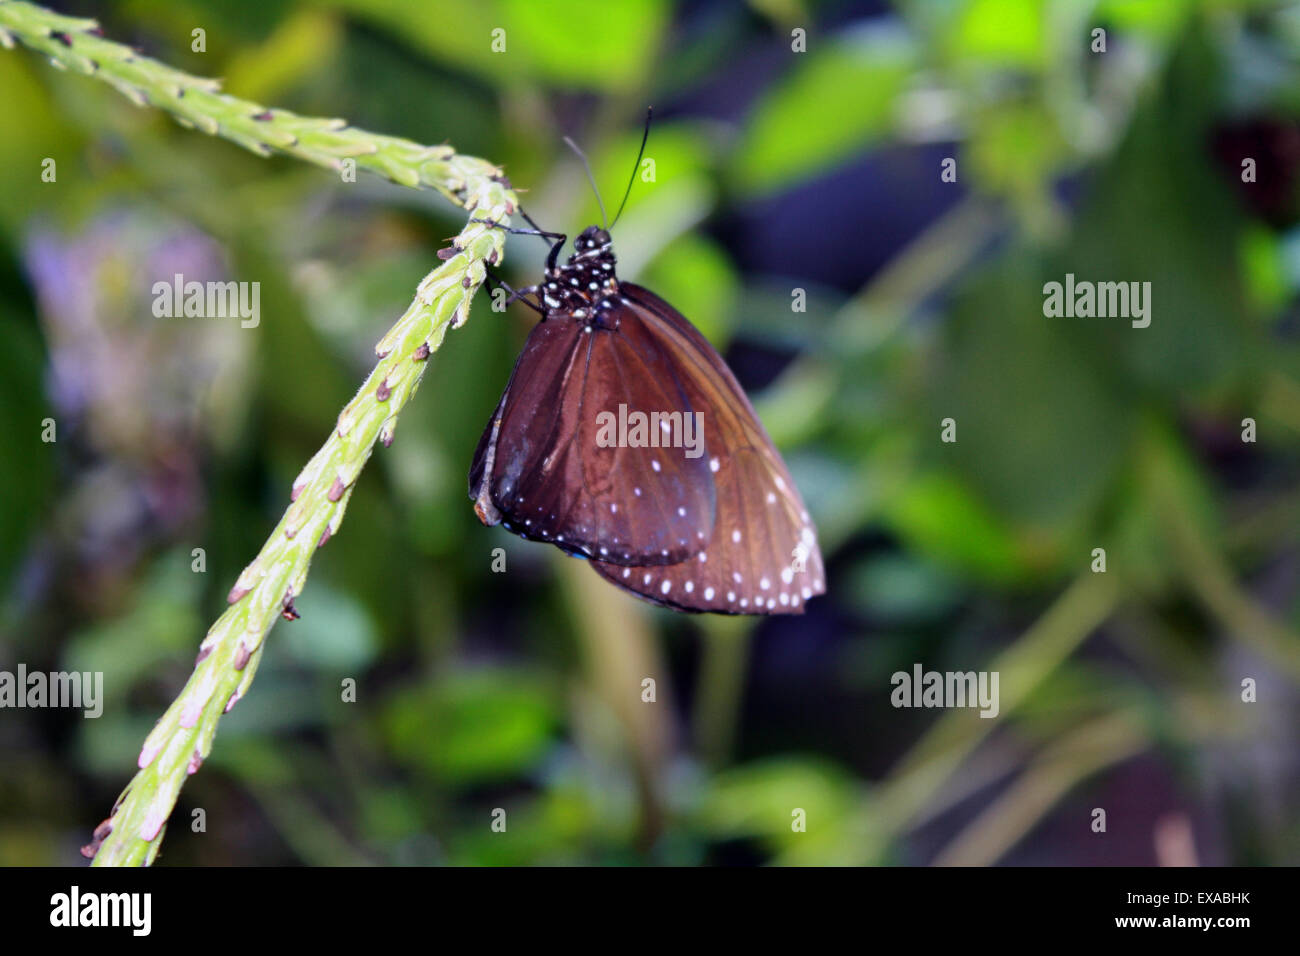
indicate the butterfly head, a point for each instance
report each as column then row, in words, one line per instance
column 592, row 242
column 587, row 280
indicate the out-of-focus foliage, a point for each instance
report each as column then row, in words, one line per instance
column 775, row 178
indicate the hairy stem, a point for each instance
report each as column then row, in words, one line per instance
column 229, row 654
column 77, row 45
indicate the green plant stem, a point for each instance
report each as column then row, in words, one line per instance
column 1281, row 399
column 721, row 685
column 1072, row 758
column 617, row 663
column 1215, row 588
column 230, row 653
column 75, row 44
column 921, row 268
column 1212, row 581
column 1104, row 742
column 929, row 765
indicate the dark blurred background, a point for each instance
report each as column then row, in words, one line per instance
column 775, row 171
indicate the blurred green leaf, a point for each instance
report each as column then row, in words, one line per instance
column 299, row 45
column 583, row 44
column 1262, row 266
column 1158, row 19
column 1007, row 33
column 836, row 100
column 30, row 138
column 761, row 800
column 901, row 590
column 456, row 31
column 163, row 620
column 334, row 633
column 794, row 406
column 696, row 277
column 939, row 518
column 1016, row 151
column 782, row 12
column 1041, row 430
column 588, row 43
column 472, row 726
column 1159, row 213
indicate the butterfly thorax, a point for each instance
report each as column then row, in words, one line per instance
column 585, row 287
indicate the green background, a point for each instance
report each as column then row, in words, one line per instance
column 775, row 170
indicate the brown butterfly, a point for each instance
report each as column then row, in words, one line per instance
column 690, row 505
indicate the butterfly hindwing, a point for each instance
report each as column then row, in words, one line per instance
column 762, row 556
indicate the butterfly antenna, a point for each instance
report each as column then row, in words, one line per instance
column 592, row 179
column 649, row 110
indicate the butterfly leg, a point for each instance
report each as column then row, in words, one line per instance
column 516, row 293
column 559, row 238
column 514, row 231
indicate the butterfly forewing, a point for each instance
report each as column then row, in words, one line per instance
column 553, row 463
column 762, row 556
